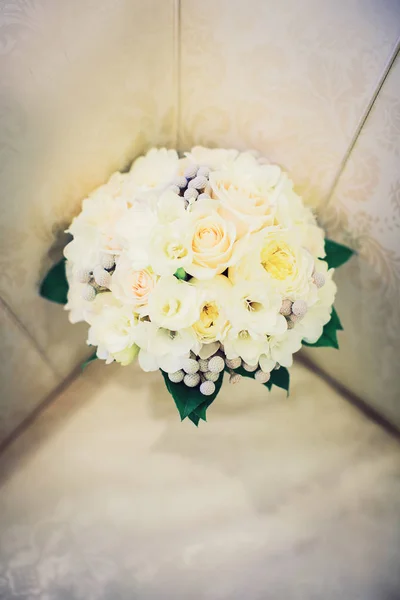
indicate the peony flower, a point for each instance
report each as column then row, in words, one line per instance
column 173, row 304
column 248, row 193
column 132, row 286
column 155, row 170
column 213, row 241
column 280, row 350
column 212, row 323
column 254, row 306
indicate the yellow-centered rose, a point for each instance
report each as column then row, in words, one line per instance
column 278, row 257
column 248, row 193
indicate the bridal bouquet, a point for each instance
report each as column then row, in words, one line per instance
column 200, row 265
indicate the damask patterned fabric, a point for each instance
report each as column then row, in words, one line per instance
column 296, row 83
column 291, row 79
column 109, row 497
column 89, row 84
column 364, row 211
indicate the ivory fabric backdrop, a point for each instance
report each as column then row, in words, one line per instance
column 87, row 85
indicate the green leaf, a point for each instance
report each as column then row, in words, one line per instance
column 201, row 411
column 279, row 377
column 335, row 321
column 54, row 286
column 190, row 402
column 194, row 418
column 328, row 338
column 88, row 361
column 336, row 254
column 181, row 273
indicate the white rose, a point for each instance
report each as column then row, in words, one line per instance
column 173, row 304
column 170, row 247
column 280, row 350
column 292, row 214
column 254, row 306
column 248, row 193
column 215, row 297
column 155, row 170
column 244, row 343
column 132, row 286
column 213, row 241
column 214, row 158
column 278, row 258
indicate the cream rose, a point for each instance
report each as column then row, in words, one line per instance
column 132, row 286
column 213, row 241
column 248, row 193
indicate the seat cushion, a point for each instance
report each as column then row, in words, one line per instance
column 107, row 495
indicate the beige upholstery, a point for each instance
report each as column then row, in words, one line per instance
column 89, row 84
column 109, row 497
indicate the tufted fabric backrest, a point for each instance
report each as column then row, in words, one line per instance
column 87, row 85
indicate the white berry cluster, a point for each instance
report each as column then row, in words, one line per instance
column 193, row 185
column 200, row 372
column 197, row 263
column 97, row 279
